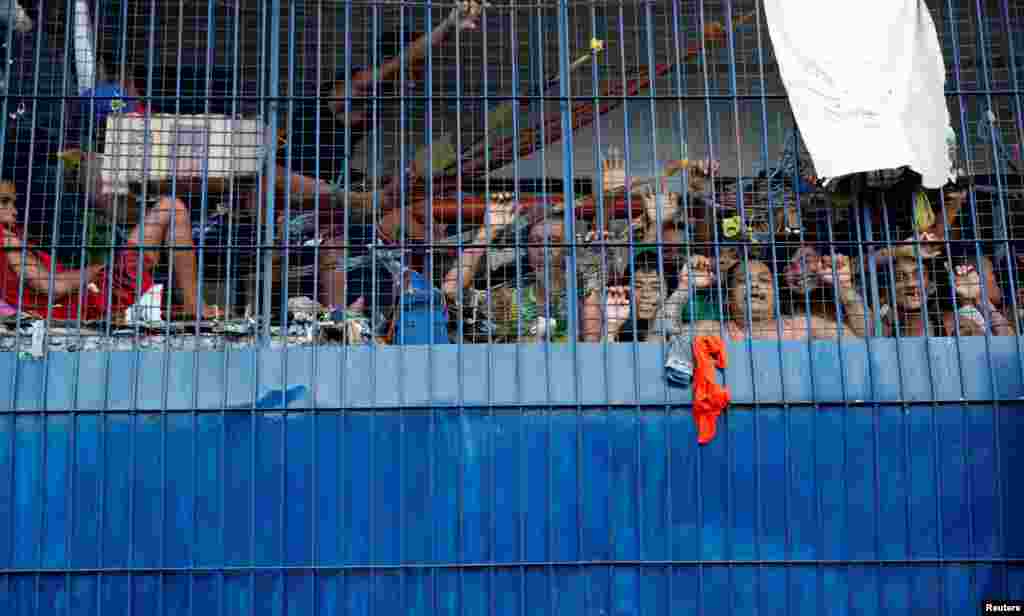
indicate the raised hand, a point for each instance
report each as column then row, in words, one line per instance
column 698, row 272
column 701, row 169
column 501, row 211
column 967, row 282
column 803, row 269
column 842, row 275
column 929, row 250
column 616, row 308
column 668, row 204
column 466, row 15
column 705, row 168
column 613, row 171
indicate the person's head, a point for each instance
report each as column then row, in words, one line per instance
column 672, row 237
column 645, row 283
column 909, row 284
column 761, row 297
column 545, row 244
column 8, row 197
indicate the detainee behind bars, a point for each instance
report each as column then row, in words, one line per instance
column 751, row 297
column 28, row 277
column 534, row 307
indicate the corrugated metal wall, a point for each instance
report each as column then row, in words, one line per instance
column 419, row 482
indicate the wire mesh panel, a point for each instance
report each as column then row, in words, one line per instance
column 423, row 307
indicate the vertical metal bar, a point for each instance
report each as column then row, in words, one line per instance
column 273, row 91
column 569, row 233
column 1010, row 252
column 289, row 113
column 993, row 376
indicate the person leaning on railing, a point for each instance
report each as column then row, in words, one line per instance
column 828, row 278
column 751, row 295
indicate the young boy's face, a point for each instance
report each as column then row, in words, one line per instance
column 8, row 213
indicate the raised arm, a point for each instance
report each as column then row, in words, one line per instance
column 841, row 279
column 613, row 174
column 501, row 212
column 669, row 318
column 464, row 16
column 907, row 249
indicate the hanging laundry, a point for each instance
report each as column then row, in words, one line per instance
column 866, row 83
column 709, row 398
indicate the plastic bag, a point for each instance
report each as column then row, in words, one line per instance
column 679, row 363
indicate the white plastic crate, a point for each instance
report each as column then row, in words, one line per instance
column 141, row 150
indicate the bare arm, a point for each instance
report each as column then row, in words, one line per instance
column 1001, row 326
column 854, row 310
column 908, row 249
column 501, row 211
column 466, row 266
column 593, row 316
column 37, row 274
column 669, row 316
column 464, row 16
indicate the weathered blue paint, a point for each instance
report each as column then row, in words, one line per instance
column 142, row 494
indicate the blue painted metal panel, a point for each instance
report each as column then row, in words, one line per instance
column 412, row 506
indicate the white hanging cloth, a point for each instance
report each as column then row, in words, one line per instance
column 85, row 54
column 866, row 81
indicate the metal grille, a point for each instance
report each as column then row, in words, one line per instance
column 337, row 307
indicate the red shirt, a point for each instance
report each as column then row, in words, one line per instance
column 122, row 281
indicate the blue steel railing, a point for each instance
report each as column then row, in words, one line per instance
column 297, row 458
column 704, row 44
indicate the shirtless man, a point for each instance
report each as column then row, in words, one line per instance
column 761, row 322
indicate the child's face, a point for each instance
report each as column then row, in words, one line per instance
column 648, row 293
column 8, row 213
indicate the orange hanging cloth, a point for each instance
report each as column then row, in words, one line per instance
column 709, row 398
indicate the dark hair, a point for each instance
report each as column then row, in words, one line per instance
column 734, row 271
column 643, row 261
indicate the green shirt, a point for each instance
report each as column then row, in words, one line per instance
column 704, row 306
column 512, row 309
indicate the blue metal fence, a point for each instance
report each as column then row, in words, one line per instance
column 576, row 489
column 477, row 445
